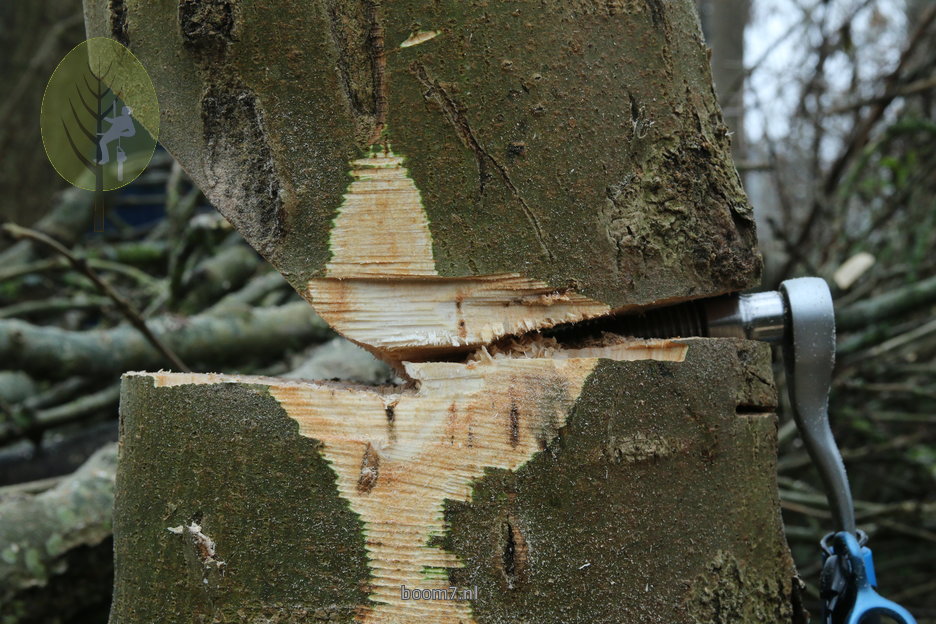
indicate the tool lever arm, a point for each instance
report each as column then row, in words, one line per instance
column 809, row 356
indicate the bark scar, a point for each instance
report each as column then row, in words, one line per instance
column 357, row 32
column 455, row 116
column 514, row 424
column 375, row 42
column 370, row 470
column 516, row 554
column 657, row 14
column 118, row 21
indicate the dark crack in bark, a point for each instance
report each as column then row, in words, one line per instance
column 456, row 117
column 207, row 26
column 516, row 554
column 118, row 21
column 358, row 36
column 657, row 13
column 240, row 165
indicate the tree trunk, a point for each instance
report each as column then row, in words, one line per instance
column 441, row 179
column 566, row 153
column 34, row 36
column 552, row 490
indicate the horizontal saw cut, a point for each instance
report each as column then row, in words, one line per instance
column 381, row 288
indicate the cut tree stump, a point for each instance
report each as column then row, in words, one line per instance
column 626, row 488
column 443, row 180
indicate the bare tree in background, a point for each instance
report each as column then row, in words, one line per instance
column 723, row 24
column 840, row 167
column 34, row 36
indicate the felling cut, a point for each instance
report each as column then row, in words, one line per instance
column 442, row 181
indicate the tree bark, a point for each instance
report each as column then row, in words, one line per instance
column 508, row 151
column 441, row 179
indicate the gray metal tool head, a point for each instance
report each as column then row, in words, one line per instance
column 801, row 318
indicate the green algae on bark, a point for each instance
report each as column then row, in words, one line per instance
column 227, row 459
column 654, row 479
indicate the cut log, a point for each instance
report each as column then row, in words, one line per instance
column 562, row 159
column 55, row 546
column 546, row 489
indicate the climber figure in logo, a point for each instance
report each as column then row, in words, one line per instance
column 121, row 126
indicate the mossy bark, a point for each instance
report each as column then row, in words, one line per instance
column 576, row 143
column 648, row 494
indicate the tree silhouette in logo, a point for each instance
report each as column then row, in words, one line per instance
column 98, row 93
column 99, row 119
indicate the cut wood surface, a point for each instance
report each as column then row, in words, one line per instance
column 564, row 489
column 411, row 166
column 381, row 287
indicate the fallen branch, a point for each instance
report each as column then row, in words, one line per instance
column 54, row 305
column 59, row 264
column 208, row 339
column 888, row 305
column 67, row 222
column 255, row 290
column 60, row 415
column 132, row 252
column 129, row 311
column 57, row 455
column 16, row 386
column 218, row 274
column 58, row 540
column 796, row 461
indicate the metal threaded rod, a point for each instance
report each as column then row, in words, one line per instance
column 677, row 321
column 759, row 316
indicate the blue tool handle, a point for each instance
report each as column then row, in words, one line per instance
column 858, row 566
column 870, row 605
